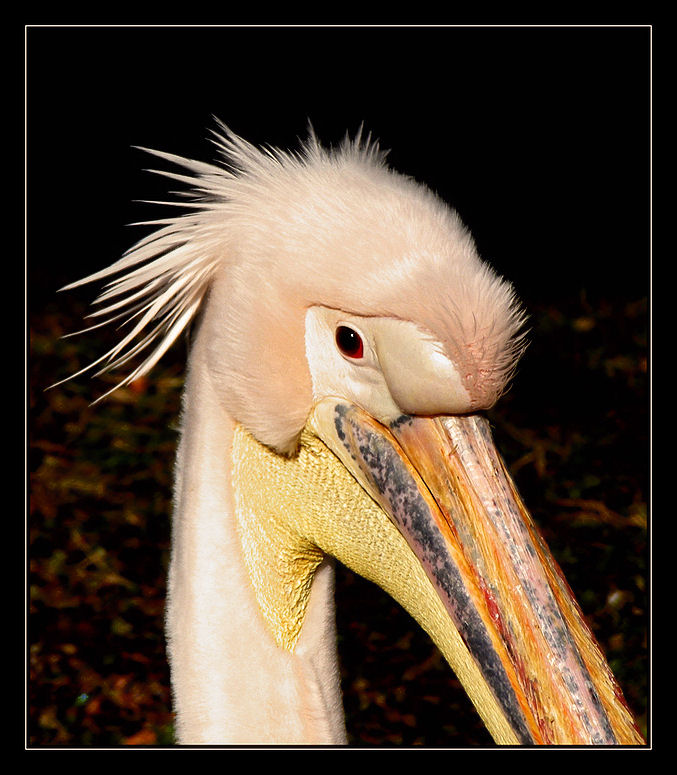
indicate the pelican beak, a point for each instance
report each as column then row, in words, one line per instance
column 536, row 674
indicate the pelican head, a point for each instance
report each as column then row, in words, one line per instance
column 349, row 340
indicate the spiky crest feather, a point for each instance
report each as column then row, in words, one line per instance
column 271, row 232
column 179, row 260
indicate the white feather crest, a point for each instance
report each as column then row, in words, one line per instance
column 162, row 280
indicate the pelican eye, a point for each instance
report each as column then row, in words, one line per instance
column 349, row 342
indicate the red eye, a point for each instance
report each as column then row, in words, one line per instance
column 349, row 342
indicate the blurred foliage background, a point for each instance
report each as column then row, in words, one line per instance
column 99, row 525
column 539, row 137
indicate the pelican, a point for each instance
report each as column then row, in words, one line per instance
column 346, row 342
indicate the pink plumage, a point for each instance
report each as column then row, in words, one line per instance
column 270, row 233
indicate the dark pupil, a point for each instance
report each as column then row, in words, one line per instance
column 348, row 341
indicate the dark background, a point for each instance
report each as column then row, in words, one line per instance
column 538, row 136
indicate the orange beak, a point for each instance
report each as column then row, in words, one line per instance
column 443, row 484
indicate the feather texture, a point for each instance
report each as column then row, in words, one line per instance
column 269, row 233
